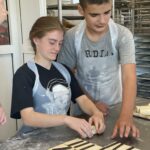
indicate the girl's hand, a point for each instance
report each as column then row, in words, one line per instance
column 2, row 116
column 80, row 125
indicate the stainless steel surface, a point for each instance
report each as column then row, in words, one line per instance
column 46, row 138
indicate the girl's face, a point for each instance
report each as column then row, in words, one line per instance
column 49, row 46
column 3, row 11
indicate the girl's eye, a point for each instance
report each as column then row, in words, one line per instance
column 52, row 43
column 60, row 44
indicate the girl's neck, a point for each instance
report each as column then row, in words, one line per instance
column 42, row 62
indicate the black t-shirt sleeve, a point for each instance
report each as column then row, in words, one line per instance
column 75, row 87
column 23, row 82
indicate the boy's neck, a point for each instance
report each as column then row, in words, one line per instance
column 95, row 36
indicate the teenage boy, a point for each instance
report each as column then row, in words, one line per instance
column 97, row 48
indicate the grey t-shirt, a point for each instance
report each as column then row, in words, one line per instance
column 125, row 46
column 97, row 63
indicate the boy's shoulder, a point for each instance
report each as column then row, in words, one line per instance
column 72, row 30
column 122, row 29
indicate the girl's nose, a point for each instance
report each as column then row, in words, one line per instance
column 57, row 47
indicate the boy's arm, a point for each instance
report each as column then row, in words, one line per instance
column 124, row 125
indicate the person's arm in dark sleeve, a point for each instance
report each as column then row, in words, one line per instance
column 23, row 82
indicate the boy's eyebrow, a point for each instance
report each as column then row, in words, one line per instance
column 99, row 13
column 107, row 11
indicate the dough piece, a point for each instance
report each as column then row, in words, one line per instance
column 85, row 146
column 89, row 146
column 79, row 144
column 144, row 110
column 142, row 107
column 95, row 147
column 123, row 147
column 112, row 147
column 94, row 130
column 62, row 146
column 77, row 140
column 118, row 146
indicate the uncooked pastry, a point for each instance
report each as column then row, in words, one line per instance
column 94, row 130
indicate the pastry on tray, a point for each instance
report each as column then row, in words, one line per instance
column 142, row 111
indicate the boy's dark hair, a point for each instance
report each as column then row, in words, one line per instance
column 84, row 3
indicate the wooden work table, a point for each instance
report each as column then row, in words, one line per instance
column 43, row 139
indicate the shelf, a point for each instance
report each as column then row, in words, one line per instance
column 143, row 58
column 141, row 39
column 74, row 17
column 144, row 83
column 140, row 24
column 145, row 76
column 144, row 66
column 64, row 7
column 142, row 2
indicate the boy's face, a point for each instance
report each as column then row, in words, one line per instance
column 97, row 17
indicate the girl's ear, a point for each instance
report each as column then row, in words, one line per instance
column 35, row 40
column 80, row 9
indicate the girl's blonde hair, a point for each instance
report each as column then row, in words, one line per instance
column 43, row 25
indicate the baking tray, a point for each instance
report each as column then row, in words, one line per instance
column 144, row 76
column 143, row 94
column 143, row 64
column 141, row 116
column 143, row 58
column 142, row 52
column 143, row 82
column 136, row 114
column 142, row 45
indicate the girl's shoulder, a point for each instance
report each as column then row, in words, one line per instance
column 24, row 72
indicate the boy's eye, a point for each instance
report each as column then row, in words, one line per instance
column 108, row 12
column 93, row 15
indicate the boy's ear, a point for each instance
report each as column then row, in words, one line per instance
column 80, row 9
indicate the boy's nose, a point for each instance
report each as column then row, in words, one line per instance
column 101, row 19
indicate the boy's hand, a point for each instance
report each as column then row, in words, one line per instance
column 98, row 121
column 124, row 127
column 104, row 108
